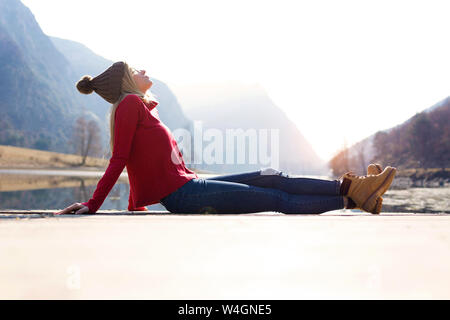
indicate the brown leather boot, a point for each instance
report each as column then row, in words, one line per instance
column 372, row 169
column 365, row 191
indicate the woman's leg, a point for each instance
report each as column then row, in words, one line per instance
column 271, row 178
column 222, row 197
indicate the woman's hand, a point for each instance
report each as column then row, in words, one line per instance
column 76, row 208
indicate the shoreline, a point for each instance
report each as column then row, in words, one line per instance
column 56, row 168
column 96, row 169
column 422, row 178
column 415, row 175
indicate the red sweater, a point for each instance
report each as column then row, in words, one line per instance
column 148, row 149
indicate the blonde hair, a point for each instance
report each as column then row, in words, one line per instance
column 128, row 87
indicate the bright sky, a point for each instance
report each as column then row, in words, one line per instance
column 341, row 70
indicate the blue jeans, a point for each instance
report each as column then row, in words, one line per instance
column 257, row 191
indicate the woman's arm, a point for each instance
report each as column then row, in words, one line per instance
column 125, row 123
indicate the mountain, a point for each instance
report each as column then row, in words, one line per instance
column 441, row 103
column 38, row 98
column 36, row 102
column 248, row 108
column 422, row 141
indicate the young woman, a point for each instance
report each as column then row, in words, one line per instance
column 157, row 172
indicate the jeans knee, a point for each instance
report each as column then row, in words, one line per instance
column 270, row 171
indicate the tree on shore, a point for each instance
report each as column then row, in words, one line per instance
column 340, row 163
column 86, row 138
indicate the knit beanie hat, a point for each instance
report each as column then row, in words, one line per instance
column 108, row 85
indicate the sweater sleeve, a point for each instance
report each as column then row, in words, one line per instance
column 125, row 123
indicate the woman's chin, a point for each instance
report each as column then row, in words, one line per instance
column 145, row 89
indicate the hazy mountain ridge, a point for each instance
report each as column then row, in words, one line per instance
column 233, row 105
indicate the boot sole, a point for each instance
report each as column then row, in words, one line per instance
column 378, row 192
column 378, row 206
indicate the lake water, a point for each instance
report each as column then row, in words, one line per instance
column 56, row 189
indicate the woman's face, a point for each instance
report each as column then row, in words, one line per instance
column 143, row 82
